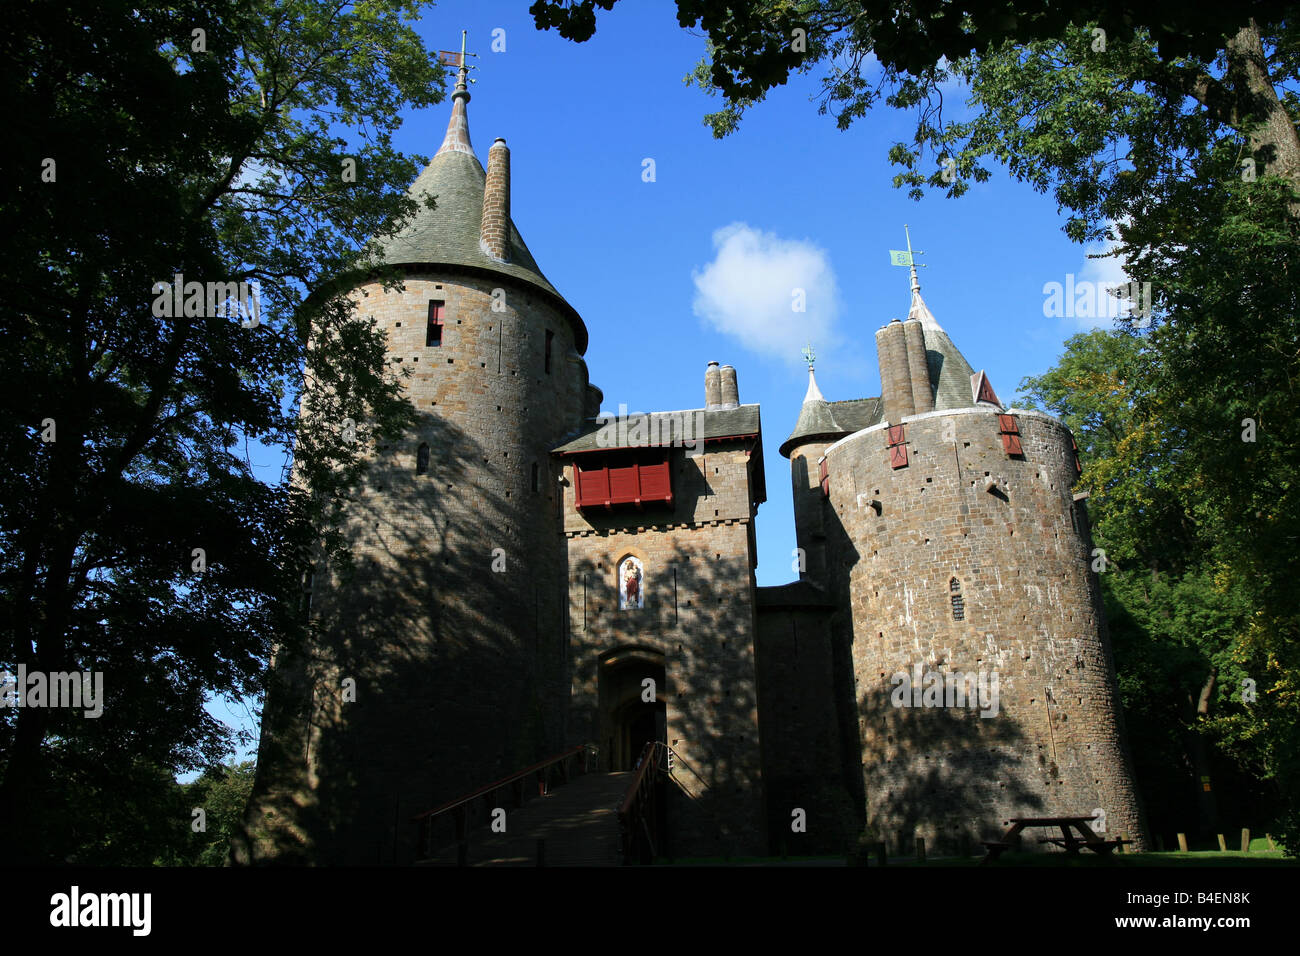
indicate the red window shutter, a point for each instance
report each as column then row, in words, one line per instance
column 656, row 482
column 898, row 456
column 1010, row 430
column 825, row 479
column 623, row 484
column 897, row 434
column 433, row 334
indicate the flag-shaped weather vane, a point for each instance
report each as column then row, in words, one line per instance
column 898, row 257
column 452, row 58
column 809, row 355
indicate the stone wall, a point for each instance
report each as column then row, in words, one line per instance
column 1007, row 531
column 699, row 620
column 452, row 620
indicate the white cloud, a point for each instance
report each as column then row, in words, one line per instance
column 755, row 285
column 1088, row 303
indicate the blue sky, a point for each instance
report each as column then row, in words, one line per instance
column 699, row 264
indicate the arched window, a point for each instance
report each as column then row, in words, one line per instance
column 958, row 603
column 422, row 460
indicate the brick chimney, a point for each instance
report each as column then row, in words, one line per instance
column 494, row 234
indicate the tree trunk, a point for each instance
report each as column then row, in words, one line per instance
column 1273, row 141
column 1207, row 808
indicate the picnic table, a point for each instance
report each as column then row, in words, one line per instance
column 1067, row 840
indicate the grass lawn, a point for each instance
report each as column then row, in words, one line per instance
column 1259, row 855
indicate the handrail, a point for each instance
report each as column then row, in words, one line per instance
column 637, row 814
column 482, row 791
column 649, row 756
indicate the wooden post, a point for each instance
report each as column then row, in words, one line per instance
column 1160, row 843
column 1269, row 838
column 1245, row 840
column 1122, row 845
column 1182, row 843
column 920, row 849
column 1223, row 844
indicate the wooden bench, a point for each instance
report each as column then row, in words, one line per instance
column 1075, row 845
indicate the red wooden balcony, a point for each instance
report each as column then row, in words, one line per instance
column 606, row 483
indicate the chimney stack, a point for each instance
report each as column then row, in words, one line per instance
column 712, row 387
column 730, row 393
column 918, row 367
column 494, row 235
column 895, row 374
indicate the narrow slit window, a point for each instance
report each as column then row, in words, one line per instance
column 422, row 460
column 433, row 335
column 958, row 602
column 534, row 476
column 550, row 336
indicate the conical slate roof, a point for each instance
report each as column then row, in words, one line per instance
column 949, row 371
column 448, row 234
column 829, row 421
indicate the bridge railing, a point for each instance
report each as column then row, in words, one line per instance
column 638, row 815
column 570, row 763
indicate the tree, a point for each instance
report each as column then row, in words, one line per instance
column 222, row 794
column 1184, row 624
column 185, row 176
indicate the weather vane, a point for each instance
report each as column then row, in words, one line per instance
column 809, row 355
column 898, row 257
column 452, row 58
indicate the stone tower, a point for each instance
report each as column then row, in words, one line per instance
column 973, row 674
column 453, row 626
column 666, row 502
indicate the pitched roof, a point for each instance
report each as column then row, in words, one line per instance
column 662, row 427
column 820, row 419
column 448, row 234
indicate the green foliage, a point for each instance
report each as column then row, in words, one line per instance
column 223, row 795
column 217, row 155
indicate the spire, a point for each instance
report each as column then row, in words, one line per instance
column 457, row 138
column 449, row 234
column 919, row 310
column 814, row 394
column 949, row 372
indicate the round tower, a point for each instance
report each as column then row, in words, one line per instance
column 451, row 624
column 983, row 679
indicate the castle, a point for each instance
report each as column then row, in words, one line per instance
column 525, row 568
